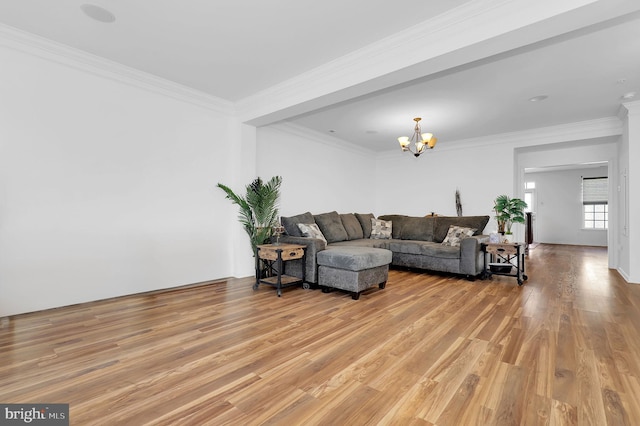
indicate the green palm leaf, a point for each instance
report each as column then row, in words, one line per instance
column 258, row 208
column 508, row 211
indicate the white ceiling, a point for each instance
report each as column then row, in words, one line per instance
column 228, row 48
column 234, row 49
column 581, row 73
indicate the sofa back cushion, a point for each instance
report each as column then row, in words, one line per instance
column 365, row 222
column 417, row 228
column 397, row 221
column 291, row 223
column 442, row 224
column 352, row 226
column 331, row 227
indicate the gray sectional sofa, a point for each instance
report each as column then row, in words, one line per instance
column 415, row 242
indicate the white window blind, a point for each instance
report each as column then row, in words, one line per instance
column 595, row 190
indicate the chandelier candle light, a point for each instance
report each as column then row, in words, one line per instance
column 421, row 141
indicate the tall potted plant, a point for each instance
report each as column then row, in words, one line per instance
column 258, row 208
column 508, row 211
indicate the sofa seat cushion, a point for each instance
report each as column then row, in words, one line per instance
column 354, row 258
column 366, row 242
column 424, row 248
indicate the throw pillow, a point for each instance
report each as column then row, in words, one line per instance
column 398, row 223
column 291, row 223
column 456, row 234
column 442, row 223
column 381, row 229
column 311, row 230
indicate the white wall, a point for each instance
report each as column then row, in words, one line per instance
column 419, row 186
column 629, row 182
column 107, row 186
column 633, row 194
column 484, row 169
column 578, row 150
column 559, row 213
column 106, row 189
column 319, row 173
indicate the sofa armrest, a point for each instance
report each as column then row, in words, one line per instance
column 294, row 267
column 471, row 256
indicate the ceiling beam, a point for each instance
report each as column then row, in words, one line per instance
column 475, row 31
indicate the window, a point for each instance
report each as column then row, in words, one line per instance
column 529, row 195
column 596, row 216
column 595, row 203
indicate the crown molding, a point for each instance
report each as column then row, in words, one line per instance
column 629, row 108
column 320, row 138
column 41, row 47
column 581, row 130
column 417, row 51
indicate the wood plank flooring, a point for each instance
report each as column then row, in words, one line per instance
column 430, row 349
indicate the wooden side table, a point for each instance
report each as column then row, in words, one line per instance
column 503, row 256
column 275, row 255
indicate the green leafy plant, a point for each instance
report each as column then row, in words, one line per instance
column 258, row 208
column 508, row 211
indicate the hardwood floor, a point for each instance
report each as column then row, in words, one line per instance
column 563, row 349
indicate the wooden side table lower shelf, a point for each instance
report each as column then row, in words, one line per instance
column 275, row 255
column 504, row 257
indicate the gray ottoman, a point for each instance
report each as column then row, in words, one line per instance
column 353, row 269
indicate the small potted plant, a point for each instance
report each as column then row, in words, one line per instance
column 508, row 211
column 258, row 208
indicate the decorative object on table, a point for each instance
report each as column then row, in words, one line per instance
column 421, row 141
column 508, row 211
column 458, row 203
column 278, row 230
column 258, row 208
column 495, row 238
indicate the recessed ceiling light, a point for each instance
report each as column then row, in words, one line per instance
column 538, row 98
column 98, row 13
column 629, row 95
